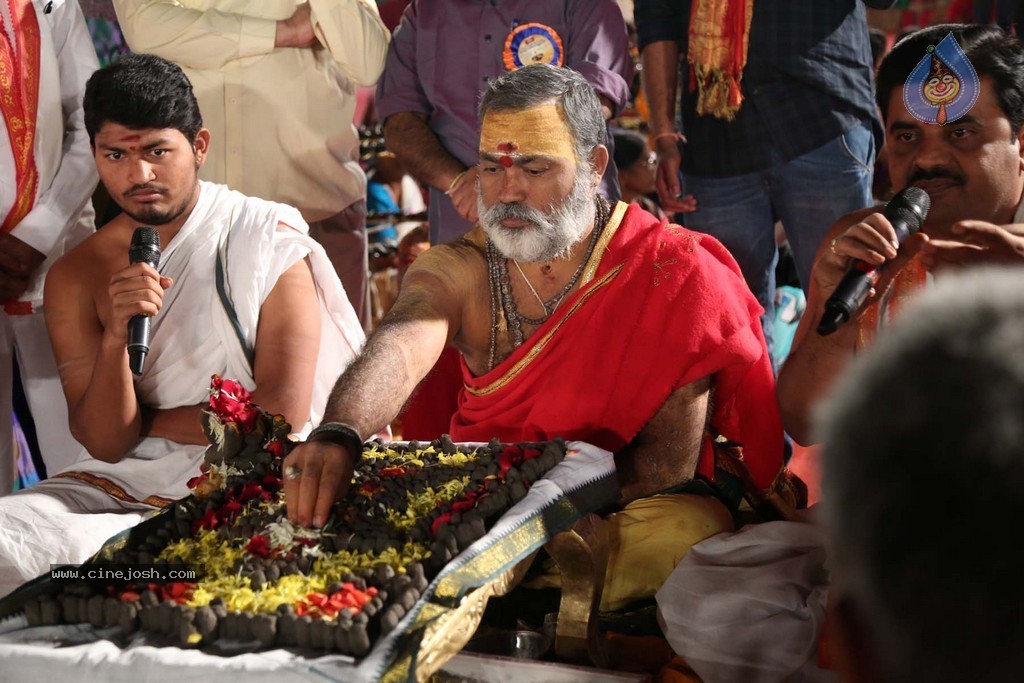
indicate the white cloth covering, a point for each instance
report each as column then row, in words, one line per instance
column 55, row 224
column 748, row 606
column 192, row 339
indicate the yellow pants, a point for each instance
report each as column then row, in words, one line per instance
column 646, row 540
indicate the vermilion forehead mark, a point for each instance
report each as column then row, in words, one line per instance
column 131, row 138
column 507, row 162
column 507, row 147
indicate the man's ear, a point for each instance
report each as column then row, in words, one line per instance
column 599, row 160
column 1020, row 147
column 201, row 146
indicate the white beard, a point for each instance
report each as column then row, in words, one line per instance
column 552, row 234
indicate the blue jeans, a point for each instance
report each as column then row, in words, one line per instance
column 807, row 194
column 1003, row 12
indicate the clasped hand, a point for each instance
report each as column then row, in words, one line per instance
column 18, row 262
column 136, row 290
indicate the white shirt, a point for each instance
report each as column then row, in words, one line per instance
column 280, row 118
column 67, row 173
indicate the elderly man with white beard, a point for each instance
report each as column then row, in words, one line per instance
column 574, row 319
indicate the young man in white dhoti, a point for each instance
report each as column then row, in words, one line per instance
column 283, row 326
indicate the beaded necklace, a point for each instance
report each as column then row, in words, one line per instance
column 501, row 287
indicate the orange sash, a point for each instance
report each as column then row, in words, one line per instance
column 19, row 100
column 719, row 35
column 905, row 286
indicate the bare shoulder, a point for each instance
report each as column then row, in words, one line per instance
column 460, row 267
column 90, row 264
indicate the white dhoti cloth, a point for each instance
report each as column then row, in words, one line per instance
column 749, row 606
column 66, row 518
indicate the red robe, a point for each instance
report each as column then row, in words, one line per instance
column 659, row 307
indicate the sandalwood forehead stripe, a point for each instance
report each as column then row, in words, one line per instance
column 538, row 131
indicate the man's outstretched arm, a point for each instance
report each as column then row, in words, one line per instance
column 372, row 391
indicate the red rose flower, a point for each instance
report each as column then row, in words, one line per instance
column 252, row 489
column 232, row 403
column 230, row 386
column 509, row 457
column 178, row 592
column 276, row 448
column 259, row 545
column 368, row 488
column 317, row 599
column 208, row 521
column 446, row 517
column 228, row 510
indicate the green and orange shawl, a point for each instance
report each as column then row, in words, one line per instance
column 718, row 38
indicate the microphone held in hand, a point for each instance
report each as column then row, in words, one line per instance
column 905, row 212
column 145, row 248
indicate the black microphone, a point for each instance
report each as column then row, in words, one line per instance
column 906, row 212
column 145, row 248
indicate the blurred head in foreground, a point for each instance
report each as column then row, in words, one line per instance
column 924, row 474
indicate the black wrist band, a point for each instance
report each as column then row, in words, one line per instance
column 340, row 434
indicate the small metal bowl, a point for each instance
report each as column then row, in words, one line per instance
column 516, row 644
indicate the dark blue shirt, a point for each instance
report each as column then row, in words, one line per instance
column 808, row 79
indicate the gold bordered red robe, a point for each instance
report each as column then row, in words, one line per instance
column 659, row 307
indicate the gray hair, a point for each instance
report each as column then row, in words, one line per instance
column 924, row 483
column 538, row 84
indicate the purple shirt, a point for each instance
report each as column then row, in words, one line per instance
column 445, row 52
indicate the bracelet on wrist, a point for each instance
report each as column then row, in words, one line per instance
column 678, row 137
column 339, row 434
column 455, row 181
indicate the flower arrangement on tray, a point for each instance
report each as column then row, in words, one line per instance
column 263, row 581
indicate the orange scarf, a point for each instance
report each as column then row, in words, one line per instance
column 19, row 99
column 905, row 286
column 719, row 34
